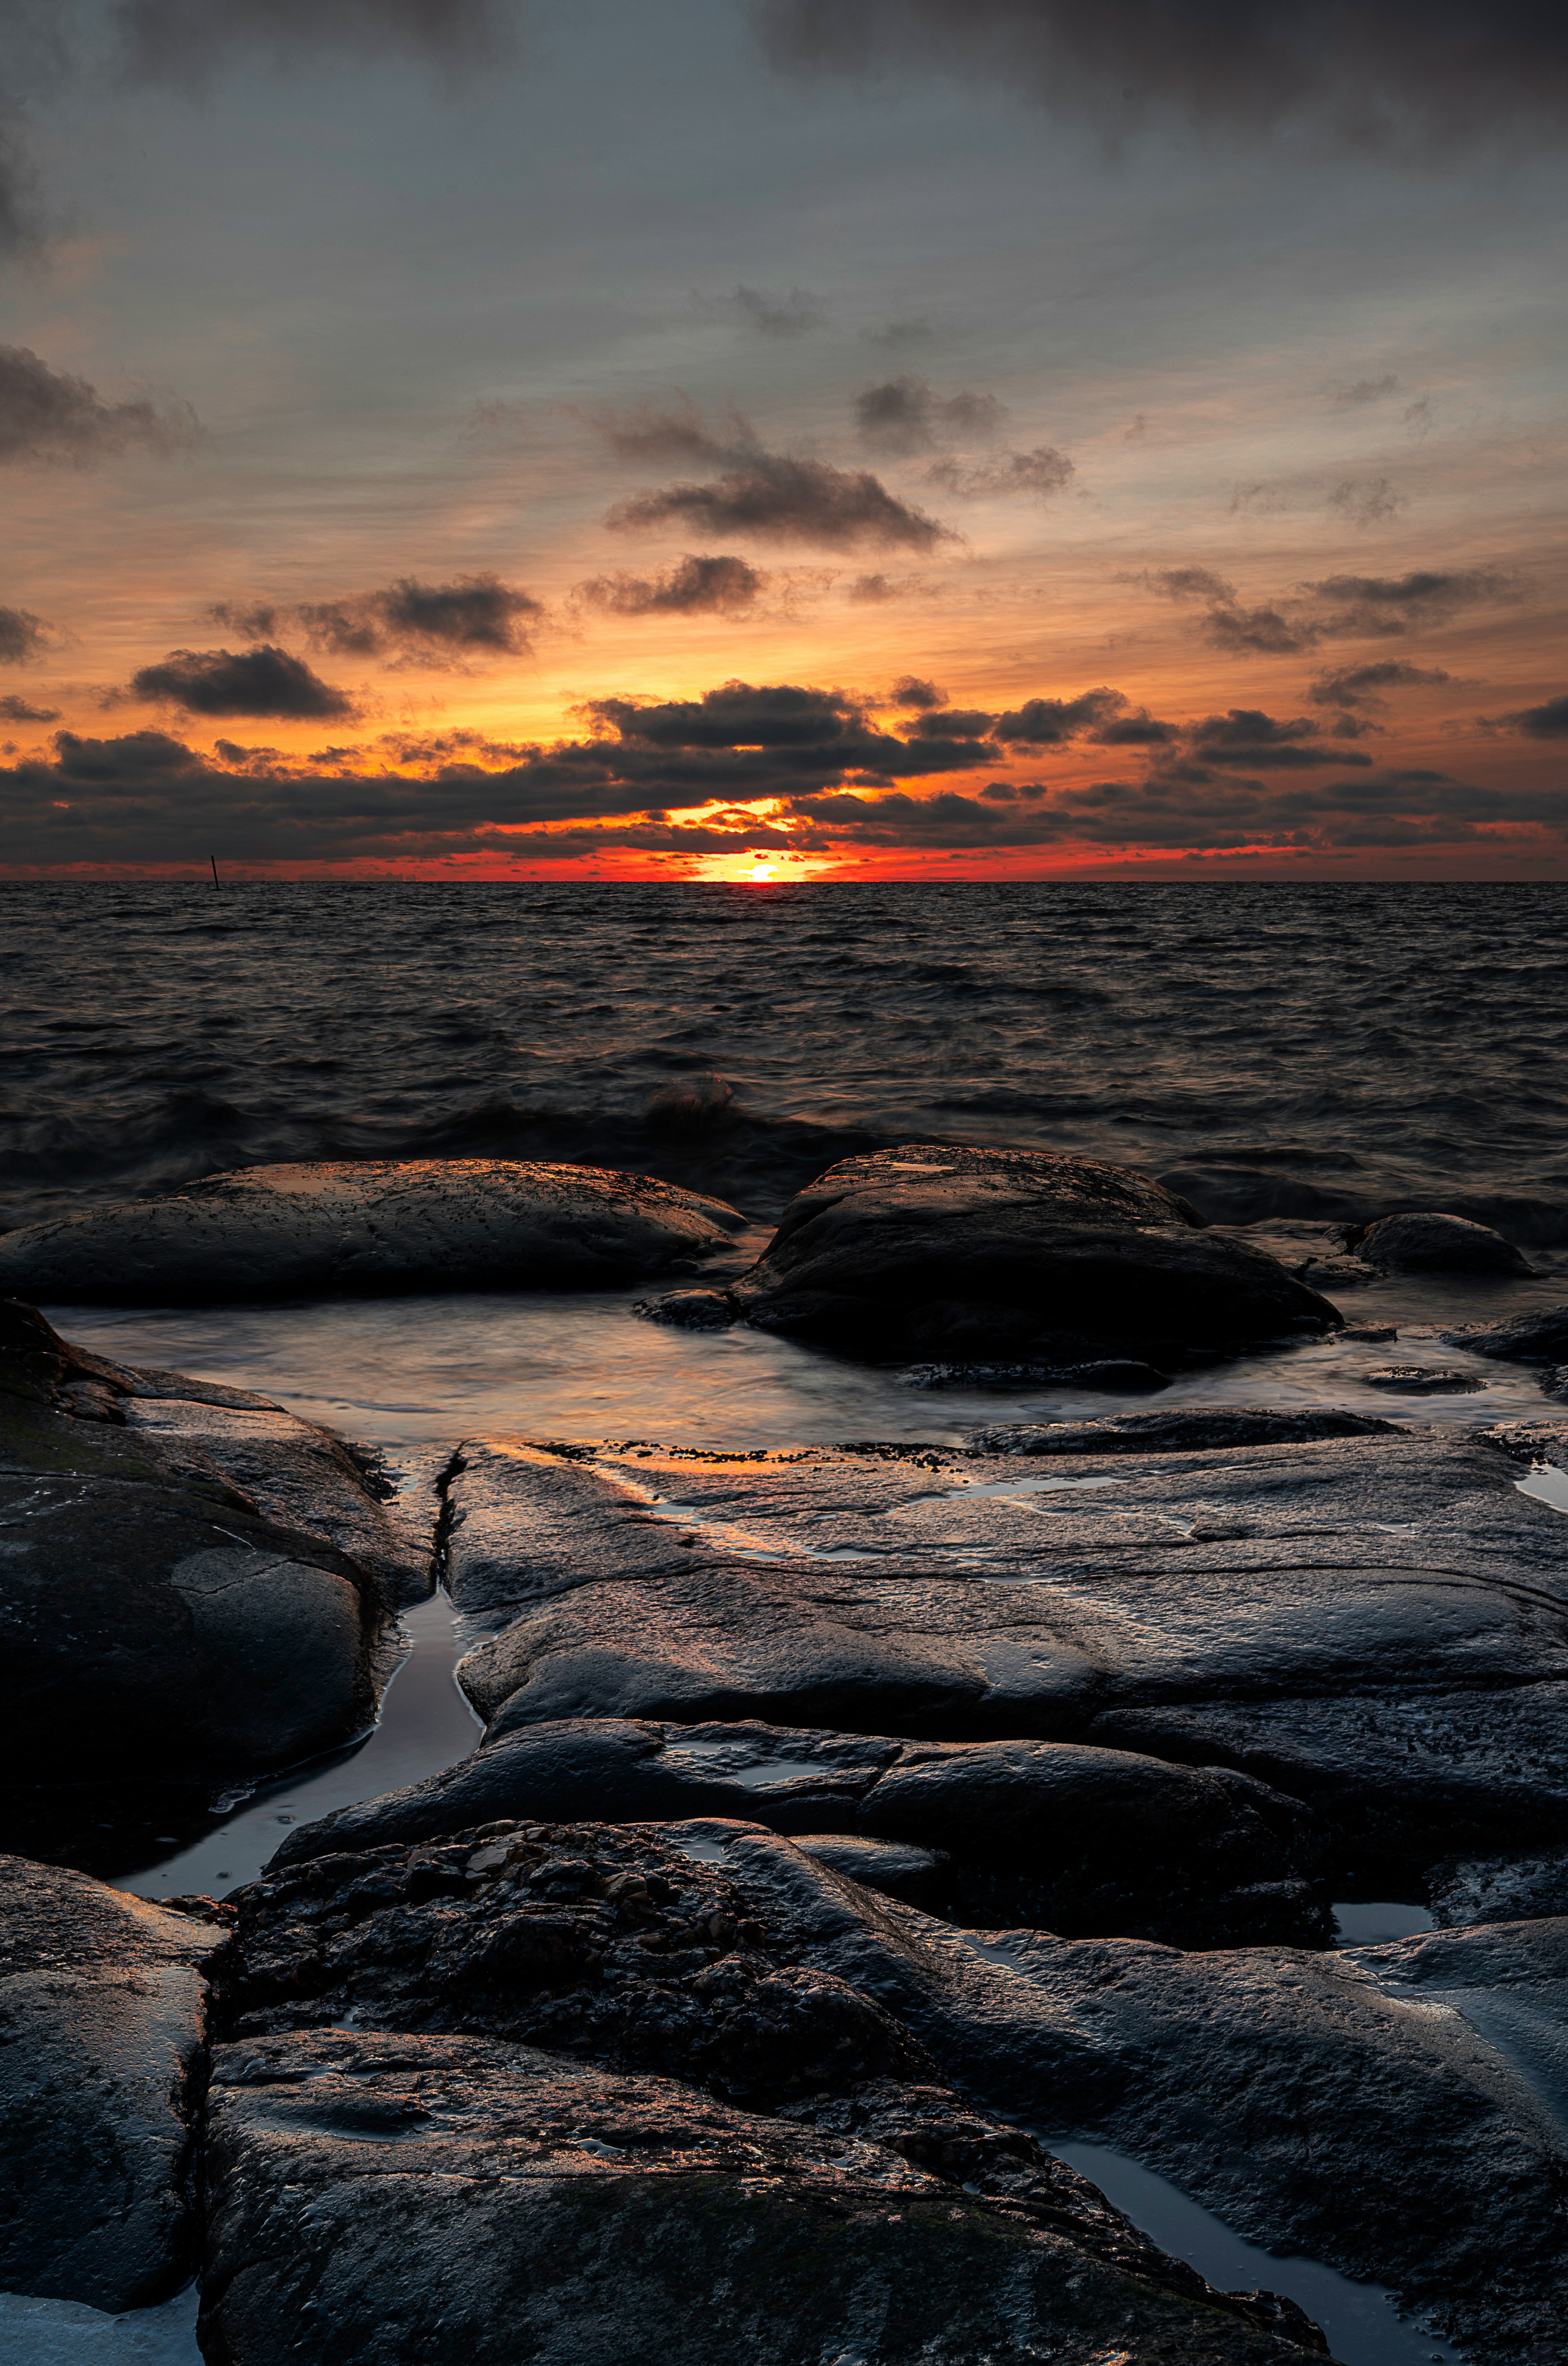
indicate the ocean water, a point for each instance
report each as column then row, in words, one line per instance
column 1346, row 1046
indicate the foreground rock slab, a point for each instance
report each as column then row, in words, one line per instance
column 195, row 1586
column 1375, row 1624
column 1392, row 2112
column 393, row 2198
column 409, row 1224
column 935, row 1252
column 1079, row 1839
column 102, row 2024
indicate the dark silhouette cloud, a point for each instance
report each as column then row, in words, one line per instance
column 1381, row 606
column 49, row 416
column 474, row 615
column 951, row 722
column 1407, row 77
column 1052, row 721
column 1184, row 583
column 1041, row 472
column 873, row 591
column 1257, row 632
column 1361, row 686
column 266, row 681
column 771, row 497
column 16, row 710
column 719, row 585
column 1246, row 778
column 911, row 690
column 22, row 636
column 1248, row 740
column 904, row 415
column 1547, row 722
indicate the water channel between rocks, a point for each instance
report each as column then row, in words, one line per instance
column 413, row 1374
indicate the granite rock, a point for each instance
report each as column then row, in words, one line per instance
column 371, row 1226
column 102, row 2025
column 396, row 2198
column 955, row 1252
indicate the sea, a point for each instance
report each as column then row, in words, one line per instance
column 1322, row 1053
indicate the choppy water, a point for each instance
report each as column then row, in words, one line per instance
column 1361, row 1045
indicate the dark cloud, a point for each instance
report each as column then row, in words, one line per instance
column 1043, row 472
column 872, row 590
column 794, row 315
column 911, row 690
column 952, row 722
column 771, row 497
column 1052, row 721
column 1547, row 722
column 903, row 415
column 1362, row 390
column 1184, row 583
column 187, row 42
column 148, row 797
column 22, row 636
column 1360, row 686
column 46, row 415
column 16, row 710
column 1255, row 632
column 1384, row 605
column 1407, row 78
column 719, row 585
column 1248, row 740
column 474, row 615
column 267, row 681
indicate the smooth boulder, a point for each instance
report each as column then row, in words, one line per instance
column 103, row 2020
column 1431, row 1244
column 959, row 1253
column 190, row 1592
column 369, row 1225
column 1537, row 1338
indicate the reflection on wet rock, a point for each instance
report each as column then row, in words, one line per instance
column 370, row 1225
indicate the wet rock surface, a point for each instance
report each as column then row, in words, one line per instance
column 1431, row 1244
column 1077, row 1840
column 369, row 1225
column 1376, row 1624
column 595, row 2059
column 942, row 1253
column 102, row 2024
column 562, row 2212
column 194, row 1587
column 1537, row 1338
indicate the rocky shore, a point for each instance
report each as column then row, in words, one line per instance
column 849, row 1827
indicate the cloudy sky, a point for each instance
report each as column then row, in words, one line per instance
column 969, row 437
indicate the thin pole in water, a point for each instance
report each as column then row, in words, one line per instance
column 216, row 880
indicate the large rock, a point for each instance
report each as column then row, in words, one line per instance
column 387, row 2199
column 102, row 2026
column 923, row 1251
column 1377, row 1624
column 190, row 1592
column 1428, row 1243
column 1394, row 2111
column 370, row 1225
column 1078, row 1839
column 1537, row 1338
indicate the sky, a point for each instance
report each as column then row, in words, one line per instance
column 808, row 439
